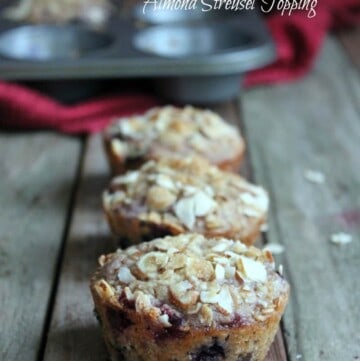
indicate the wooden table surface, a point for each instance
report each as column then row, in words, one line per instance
column 52, row 229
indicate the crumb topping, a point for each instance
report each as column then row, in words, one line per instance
column 213, row 281
column 94, row 11
column 172, row 131
column 189, row 194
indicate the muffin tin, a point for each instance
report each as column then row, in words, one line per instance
column 190, row 56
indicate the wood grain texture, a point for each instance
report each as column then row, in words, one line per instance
column 74, row 332
column 231, row 111
column 313, row 124
column 37, row 174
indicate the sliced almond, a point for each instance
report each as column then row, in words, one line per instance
column 148, row 166
column 107, row 200
column 182, row 295
column 253, row 270
column 165, row 181
column 102, row 260
column 150, row 263
column 200, row 269
column 173, row 222
column 239, row 277
column 259, row 202
column 219, row 272
column 189, row 190
column 125, row 276
column 212, row 129
column 230, row 272
column 133, row 251
column 159, row 198
column 129, row 177
column 203, row 204
column 185, row 211
column 239, row 247
column 209, row 190
column 142, row 302
column 185, row 300
column 232, row 255
column 260, row 318
column 225, row 301
column 268, row 256
column 195, row 245
column 222, row 246
column 104, row 289
column 209, row 296
column 262, row 200
column 206, row 315
column 153, row 217
column 128, row 294
column 162, row 244
column 127, row 129
column 222, row 260
column 212, row 222
column 164, row 320
column 251, row 212
column 110, row 199
column 198, row 142
column 268, row 310
column 168, row 274
column 178, row 260
column 118, row 147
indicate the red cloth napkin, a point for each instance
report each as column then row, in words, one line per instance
column 297, row 38
column 24, row 108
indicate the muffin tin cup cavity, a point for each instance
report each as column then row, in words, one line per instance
column 187, row 41
column 189, row 61
column 48, row 42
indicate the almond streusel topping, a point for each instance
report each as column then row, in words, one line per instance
column 205, row 282
column 175, row 131
column 189, row 194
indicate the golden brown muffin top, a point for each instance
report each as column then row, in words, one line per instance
column 187, row 194
column 39, row 11
column 171, row 131
column 202, row 282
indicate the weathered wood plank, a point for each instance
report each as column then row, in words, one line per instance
column 37, row 177
column 232, row 113
column 74, row 333
column 313, row 124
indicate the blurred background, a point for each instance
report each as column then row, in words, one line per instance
column 73, row 51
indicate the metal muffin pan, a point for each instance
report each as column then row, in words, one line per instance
column 43, row 42
column 193, row 58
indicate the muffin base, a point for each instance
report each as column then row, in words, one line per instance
column 130, row 230
column 121, row 164
column 130, row 337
